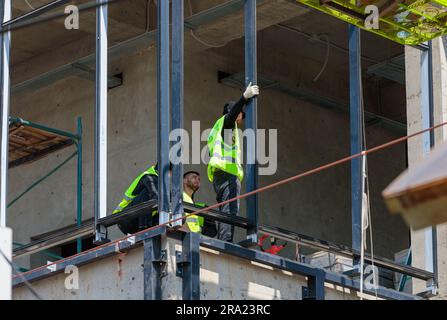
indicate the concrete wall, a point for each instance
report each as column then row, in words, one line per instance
column 419, row 239
column 222, row 277
column 308, row 136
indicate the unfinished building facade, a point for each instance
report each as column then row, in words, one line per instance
column 91, row 106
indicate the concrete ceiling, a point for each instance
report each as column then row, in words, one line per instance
column 48, row 45
column 127, row 18
column 373, row 46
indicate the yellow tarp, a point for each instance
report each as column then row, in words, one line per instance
column 406, row 21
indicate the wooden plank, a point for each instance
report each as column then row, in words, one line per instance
column 420, row 193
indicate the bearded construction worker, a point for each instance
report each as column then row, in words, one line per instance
column 143, row 188
column 194, row 223
column 225, row 169
column 191, row 183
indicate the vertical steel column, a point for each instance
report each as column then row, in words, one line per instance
column 154, row 266
column 177, row 101
column 355, row 78
column 191, row 269
column 5, row 16
column 315, row 286
column 427, row 111
column 432, row 144
column 251, row 121
column 79, row 182
column 163, row 95
column 100, row 201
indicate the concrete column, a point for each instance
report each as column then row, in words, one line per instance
column 5, row 267
column 440, row 116
column 416, row 147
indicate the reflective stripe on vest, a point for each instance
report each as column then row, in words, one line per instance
column 224, row 157
column 193, row 222
column 129, row 196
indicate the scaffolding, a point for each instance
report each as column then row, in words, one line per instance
column 29, row 142
column 154, row 240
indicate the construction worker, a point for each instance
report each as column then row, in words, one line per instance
column 191, row 183
column 143, row 188
column 274, row 247
column 225, row 169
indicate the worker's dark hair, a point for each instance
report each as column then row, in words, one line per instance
column 228, row 106
column 191, row 171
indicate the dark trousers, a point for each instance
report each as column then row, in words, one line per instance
column 226, row 186
column 139, row 223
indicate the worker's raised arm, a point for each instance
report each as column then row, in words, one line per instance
column 231, row 116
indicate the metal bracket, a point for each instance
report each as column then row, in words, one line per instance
column 162, row 262
column 306, row 294
column 248, row 243
column 180, row 260
column 101, row 235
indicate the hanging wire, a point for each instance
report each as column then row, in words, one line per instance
column 29, row 5
column 326, row 60
column 366, row 204
column 20, row 274
column 207, row 44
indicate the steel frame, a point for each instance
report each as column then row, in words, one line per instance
column 5, row 16
column 177, row 102
column 154, row 241
column 100, row 172
column 316, row 276
column 428, row 142
column 251, row 120
column 215, row 215
column 356, row 120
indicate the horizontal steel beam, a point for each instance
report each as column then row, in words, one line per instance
column 218, row 216
column 218, row 245
column 88, row 73
column 299, row 268
column 87, row 257
column 36, row 12
column 307, row 95
column 126, row 47
column 87, row 229
column 318, row 244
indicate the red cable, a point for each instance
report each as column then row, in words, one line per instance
column 245, row 195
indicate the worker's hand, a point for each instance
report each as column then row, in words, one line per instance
column 251, row 91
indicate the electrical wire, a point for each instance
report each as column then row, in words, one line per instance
column 207, row 44
column 333, row 45
column 259, row 190
column 29, row 5
column 366, row 204
column 148, row 8
column 326, row 60
column 20, row 274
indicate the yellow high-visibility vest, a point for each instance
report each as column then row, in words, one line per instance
column 223, row 156
column 193, row 222
column 129, row 195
